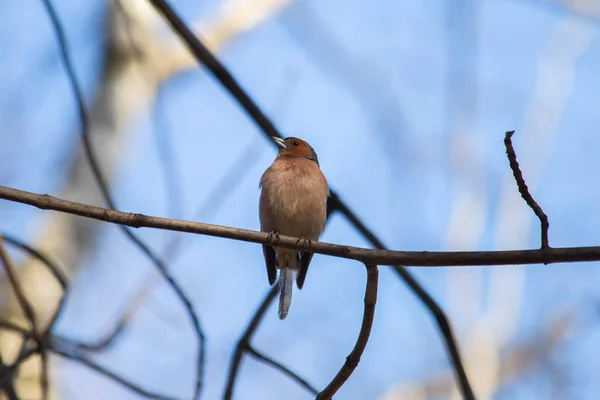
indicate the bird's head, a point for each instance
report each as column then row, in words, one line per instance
column 295, row 147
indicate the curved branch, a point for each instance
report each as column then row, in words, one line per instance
column 285, row 370
column 363, row 336
column 524, row 190
column 100, row 369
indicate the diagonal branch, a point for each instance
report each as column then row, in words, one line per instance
column 109, row 374
column 244, row 343
column 367, row 256
column 11, row 271
column 285, row 370
column 363, row 336
column 524, row 190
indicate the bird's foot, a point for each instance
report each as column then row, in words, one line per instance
column 304, row 242
column 273, row 238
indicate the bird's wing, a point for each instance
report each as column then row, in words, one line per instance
column 304, row 263
column 269, row 254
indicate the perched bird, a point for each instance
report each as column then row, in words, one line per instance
column 293, row 202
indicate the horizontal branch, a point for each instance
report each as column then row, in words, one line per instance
column 367, row 256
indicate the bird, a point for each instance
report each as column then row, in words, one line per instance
column 293, row 202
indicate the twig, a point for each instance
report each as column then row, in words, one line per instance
column 11, row 326
column 98, row 368
column 244, row 342
column 444, row 327
column 367, row 256
column 285, row 370
column 95, row 167
column 524, row 190
column 57, row 272
column 11, row 272
column 104, row 342
column 9, row 388
column 10, row 370
column 363, row 336
column 205, row 57
column 62, row 279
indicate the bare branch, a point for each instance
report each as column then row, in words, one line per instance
column 283, row 369
column 57, row 272
column 524, row 190
column 367, row 256
column 103, row 343
column 244, row 342
column 98, row 368
column 11, row 271
column 363, row 336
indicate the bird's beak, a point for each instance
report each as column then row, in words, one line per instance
column 279, row 142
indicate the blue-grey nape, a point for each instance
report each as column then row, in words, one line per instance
column 313, row 156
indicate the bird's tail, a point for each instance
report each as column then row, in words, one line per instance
column 286, row 281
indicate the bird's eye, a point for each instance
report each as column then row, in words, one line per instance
column 296, row 144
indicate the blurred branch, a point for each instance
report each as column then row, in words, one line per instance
column 283, row 369
column 109, row 374
column 363, row 336
column 7, row 388
column 244, row 343
column 366, row 256
column 11, row 272
column 524, row 190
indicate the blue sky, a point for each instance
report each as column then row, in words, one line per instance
column 406, row 103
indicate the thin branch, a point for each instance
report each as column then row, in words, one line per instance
column 444, row 327
column 9, row 388
column 11, row 272
column 95, row 167
column 11, row 326
column 100, row 369
column 205, row 57
column 244, row 342
column 363, row 336
column 367, row 256
column 283, row 369
column 10, row 370
column 57, row 272
column 524, row 190
column 62, row 279
column 201, row 52
column 101, row 344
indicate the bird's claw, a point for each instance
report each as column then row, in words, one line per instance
column 273, row 238
column 304, row 242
